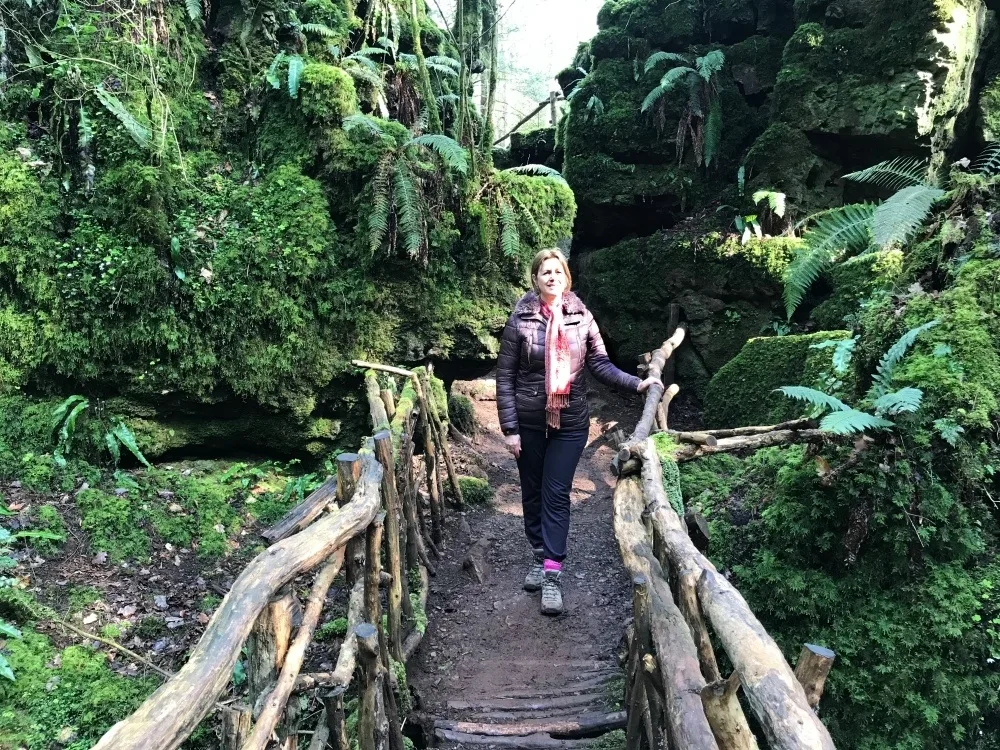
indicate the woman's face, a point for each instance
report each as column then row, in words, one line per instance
column 550, row 279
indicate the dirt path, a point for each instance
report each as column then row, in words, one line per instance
column 489, row 655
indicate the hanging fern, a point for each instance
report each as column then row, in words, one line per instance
column 139, row 132
column 988, row 162
column 193, row 10
column 539, row 170
column 295, row 66
column 272, row 70
column 658, row 57
column 836, row 232
column 444, row 61
column 900, row 216
column 318, row 29
column 406, row 199
column 451, row 153
column 510, row 240
column 852, row 422
column 886, row 368
column 893, row 175
column 378, row 218
column 710, row 64
column 669, row 81
column 442, row 69
column 775, row 200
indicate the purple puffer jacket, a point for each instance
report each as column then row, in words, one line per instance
column 521, row 369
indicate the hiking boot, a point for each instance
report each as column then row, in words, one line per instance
column 552, row 603
column 533, row 581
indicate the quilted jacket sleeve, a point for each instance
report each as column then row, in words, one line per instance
column 510, row 355
column 601, row 366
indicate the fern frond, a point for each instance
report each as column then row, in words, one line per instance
column 886, row 368
column 69, row 426
column 272, row 70
column 139, row 132
column 193, row 9
column 537, row 169
column 667, row 83
column 900, row 216
column 710, row 64
column 510, row 240
column 527, row 217
column 60, row 412
column 295, row 66
column 852, row 422
column 366, row 53
column 903, row 401
column 442, row 69
column 814, row 397
column 319, row 29
column 449, row 62
column 450, row 151
column 126, row 438
column 988, row 162
column 595, row 106
column 713, row 131
column 840, row 230
column 360, row 73
column 371, row 125
column 406, row 199
column 378, row 218
column 893, row 175
column 111, row 442
column 774, row 199
column 658, row 57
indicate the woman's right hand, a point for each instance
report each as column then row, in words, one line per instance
column 513, row 443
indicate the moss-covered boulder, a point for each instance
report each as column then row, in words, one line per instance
column 729, row 293
column 535, row 147
column 743, row 392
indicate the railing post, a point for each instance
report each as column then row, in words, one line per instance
column 390, row 498
column 348, row 472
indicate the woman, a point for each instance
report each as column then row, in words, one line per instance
column 544, row 416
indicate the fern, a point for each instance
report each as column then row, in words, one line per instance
column 272, row 70
column 139, row 132
column 406, row 199
column 378, row 219
column 900, row 216
column 775, row 200
column 657, row 57
column 814, row 397
column 510, row 240
column 893, row 175
column 126, row 438
column 318, row 29
column 713, row 132
column 449, row 99
column 442, row 69
column 371, row 125
column 710, row 64
column 445, row 61
column 539, row 170
column 886, row 367
column 193, row 9
column 361, row 73
column 669, row 81
column 903, row 401
column 988, row 162
column 451, row 153
column 852, row 422
column 295, row 65
column 837, row 231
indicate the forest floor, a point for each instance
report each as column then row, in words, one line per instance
column 489, row 655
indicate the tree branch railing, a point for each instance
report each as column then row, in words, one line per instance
column 675, row 693
column 370, row 510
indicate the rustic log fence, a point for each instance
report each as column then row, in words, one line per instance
column 675, row 693
column 372, row 510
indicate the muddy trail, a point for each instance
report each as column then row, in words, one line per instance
column 489, row 655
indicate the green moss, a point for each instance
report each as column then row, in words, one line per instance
column 328, row 93
column 49, row 520
column 113, row 524
column 55, row 690
column 150, row 627
column 782, row 159
column 989, row 106
column 742, row 392
column 475, row 491
column 533, row 146
column 81, row 597
column 462, row 413
column 334, row 629
column 853, row 283
column 206, row 518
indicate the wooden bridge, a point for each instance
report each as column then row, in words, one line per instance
column 675, row 693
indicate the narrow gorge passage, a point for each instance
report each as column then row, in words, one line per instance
column 489, row 655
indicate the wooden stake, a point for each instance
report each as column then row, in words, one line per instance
column 321, row 735
column 236, row 723
column 442, row 438
column 430, row 463
column 367, row 714
column 348, row 468
column 815, row 663
column 389, row 401
column 346, row 659
column 334, row 703
column 383, row 450
column 729, row 724
column 380, row 419
column 276, row 700
column 655, row 392
column 267, row 645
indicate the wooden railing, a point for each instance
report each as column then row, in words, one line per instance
column 676, row 695
column 372, row 505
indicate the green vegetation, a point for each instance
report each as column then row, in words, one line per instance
column 334, row 629
column 475, row 491
column 462, row 413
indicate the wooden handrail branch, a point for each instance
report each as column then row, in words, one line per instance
column 171, row 713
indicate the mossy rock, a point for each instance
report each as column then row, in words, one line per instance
column 475, row 491
column 462, row 413
column 782, row 158
column 742, row 392
column 852, row 283
column 728, row 292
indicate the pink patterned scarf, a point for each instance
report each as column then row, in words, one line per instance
column 557, row 363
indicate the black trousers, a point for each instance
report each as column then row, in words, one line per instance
column 546, row 465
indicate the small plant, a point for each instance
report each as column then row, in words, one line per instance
column 7, row 630
column 475, row 491
column 64, row 427
column 334, row 629
column 751, row 224
column 880, row 401
column 702, row 116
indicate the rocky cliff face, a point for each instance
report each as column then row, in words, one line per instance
column 811, row 90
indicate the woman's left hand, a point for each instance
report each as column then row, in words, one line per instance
column 645, row 384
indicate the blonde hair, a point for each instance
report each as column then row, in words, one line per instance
column 543, row 255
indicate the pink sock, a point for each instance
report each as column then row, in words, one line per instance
column 552, row 565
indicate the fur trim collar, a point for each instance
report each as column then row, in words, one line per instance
column 530, row 304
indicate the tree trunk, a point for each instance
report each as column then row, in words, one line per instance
column 424, row 77
column 171, row 713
